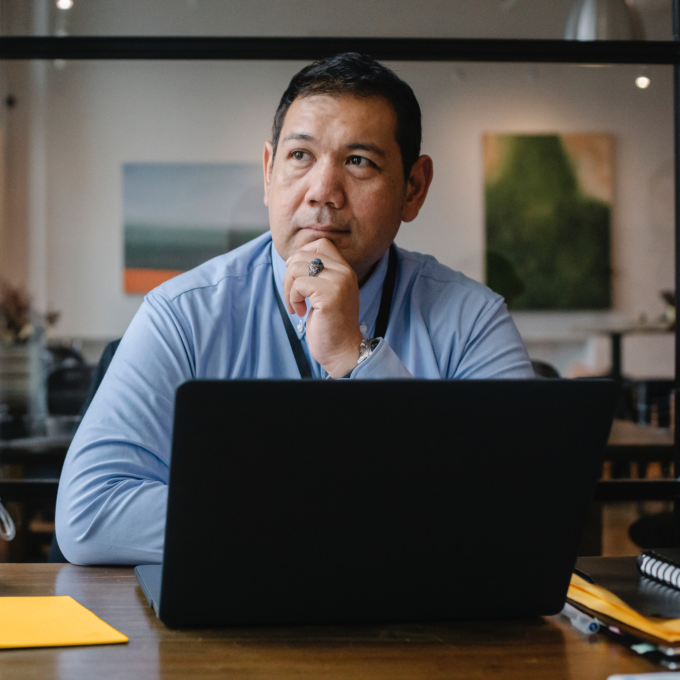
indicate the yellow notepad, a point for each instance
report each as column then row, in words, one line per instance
column 57, row 621
column 599, row 599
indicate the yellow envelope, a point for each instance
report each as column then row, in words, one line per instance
column 57, row 621
column 599, row 599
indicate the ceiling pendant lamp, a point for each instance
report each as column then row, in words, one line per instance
column 604, row 20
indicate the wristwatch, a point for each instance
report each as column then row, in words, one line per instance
column 367, row 347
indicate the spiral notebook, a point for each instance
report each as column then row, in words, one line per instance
column 611, row 610
column 662, row 565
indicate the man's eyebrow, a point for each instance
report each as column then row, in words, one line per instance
column 361, row 146
column 300, row 136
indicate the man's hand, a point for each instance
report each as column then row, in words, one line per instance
column 333, row 333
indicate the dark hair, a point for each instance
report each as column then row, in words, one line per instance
column 361, row 76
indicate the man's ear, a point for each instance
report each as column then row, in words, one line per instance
column 417, row 187
column 267, row 161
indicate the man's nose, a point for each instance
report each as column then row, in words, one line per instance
column 326, row 186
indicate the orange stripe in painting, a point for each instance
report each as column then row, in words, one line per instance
column 144, row 280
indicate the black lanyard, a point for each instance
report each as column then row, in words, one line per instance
column 380, row 322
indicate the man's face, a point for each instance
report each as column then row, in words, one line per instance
column 338, row 175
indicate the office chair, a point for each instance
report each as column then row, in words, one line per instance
column 542, row 369
column 67, row 389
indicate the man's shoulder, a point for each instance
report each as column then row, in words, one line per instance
column 426, row 272
column 238, row 264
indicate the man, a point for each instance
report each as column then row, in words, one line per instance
column 324, row 295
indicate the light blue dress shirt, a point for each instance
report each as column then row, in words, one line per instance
column 221, row 320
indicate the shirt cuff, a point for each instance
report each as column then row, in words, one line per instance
column 380, row 364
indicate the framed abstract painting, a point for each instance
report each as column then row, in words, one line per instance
column 179, row 215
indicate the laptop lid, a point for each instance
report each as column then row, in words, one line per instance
column 320, row 501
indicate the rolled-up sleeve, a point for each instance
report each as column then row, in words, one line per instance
column 489, row 347
column 112, row 496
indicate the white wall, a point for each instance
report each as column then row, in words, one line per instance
column 102, row 114
column 460, row 106
column 421, row 18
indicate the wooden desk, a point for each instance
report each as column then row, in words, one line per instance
column 632, row 442
column 628, row 434
column 469, row 650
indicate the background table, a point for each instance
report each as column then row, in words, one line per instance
column 471, row 650
column 616, row 334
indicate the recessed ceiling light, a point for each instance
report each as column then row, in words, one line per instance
column 64, row 4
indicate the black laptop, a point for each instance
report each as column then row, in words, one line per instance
column 318, row 501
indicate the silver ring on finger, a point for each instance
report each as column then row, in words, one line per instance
column 315, row 267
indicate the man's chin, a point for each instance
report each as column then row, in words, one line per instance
column 340, row 239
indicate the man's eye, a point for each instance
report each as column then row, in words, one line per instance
column 298, row 155
column 361, row 162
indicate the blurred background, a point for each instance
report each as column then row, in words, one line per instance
column 89, row 219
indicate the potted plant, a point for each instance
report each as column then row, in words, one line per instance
column 22, row 339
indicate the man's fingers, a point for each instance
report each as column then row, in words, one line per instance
column 295, row 270
column 307, row 256
column 300, row 269
column 335, row 267
column 299, row 307
column 323, row 246
column 313, row 284
column 305, row 287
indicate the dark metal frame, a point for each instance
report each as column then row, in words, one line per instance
column 402, row 49
column 637, row 490
column 392, row 49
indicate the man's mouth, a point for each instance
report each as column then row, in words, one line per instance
column 326, row 229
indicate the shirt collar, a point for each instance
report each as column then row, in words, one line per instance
column 369, row 295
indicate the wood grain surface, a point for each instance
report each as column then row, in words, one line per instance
column 545, row 648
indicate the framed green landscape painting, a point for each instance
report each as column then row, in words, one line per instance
column 548, row 201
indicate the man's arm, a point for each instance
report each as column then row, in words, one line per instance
column 113, row 490
column 382, row 364
column 486, row 343
column 494, row 350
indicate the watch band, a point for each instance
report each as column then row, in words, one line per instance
column 366, row 348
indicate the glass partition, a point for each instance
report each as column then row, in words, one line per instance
column 378, row 18
column 116, row 172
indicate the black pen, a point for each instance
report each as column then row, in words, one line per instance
column 583, row 575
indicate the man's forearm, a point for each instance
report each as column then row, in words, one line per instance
column 113, row 491
column 117, row 522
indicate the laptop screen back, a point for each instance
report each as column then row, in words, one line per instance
column 320, row 501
